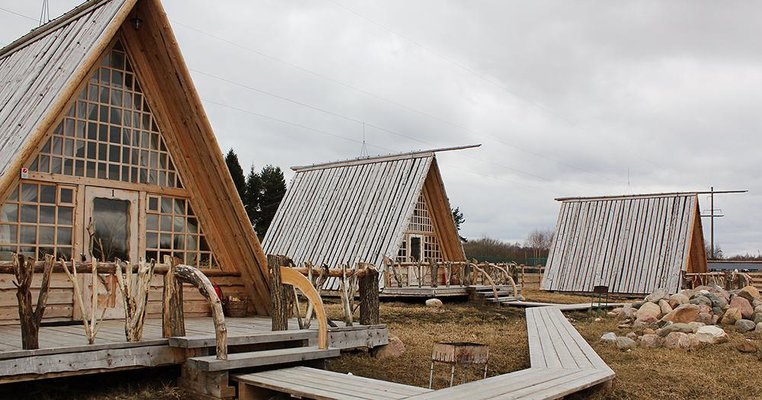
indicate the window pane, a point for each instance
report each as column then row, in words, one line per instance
column 47, row 194
column 47, row 214
column 8, row 234
column 152, row 222
column 64, row 236
column 29, row 193
column 28, row 213
column 28, row 234
column 111, row 220
column 47, row 235
column 65, row 215
column 10, row 213
column 67, row 196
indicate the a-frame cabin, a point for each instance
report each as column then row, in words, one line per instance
column 363, row 210
column 632, row 244
column 102, row 134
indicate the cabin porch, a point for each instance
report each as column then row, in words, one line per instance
column 64, row 350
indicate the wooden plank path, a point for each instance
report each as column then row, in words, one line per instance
column 323, row 385
column 562, row 307
column 562, row 363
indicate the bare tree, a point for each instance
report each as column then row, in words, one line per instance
column 539, row 241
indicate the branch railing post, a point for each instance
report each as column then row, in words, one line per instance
column 193, row 276
column 173, row 318
column 278, row 293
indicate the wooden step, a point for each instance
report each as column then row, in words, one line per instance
column 195, row 342
column 501, row 299
column 260, row 358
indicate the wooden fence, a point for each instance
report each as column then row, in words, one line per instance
column 725, row 279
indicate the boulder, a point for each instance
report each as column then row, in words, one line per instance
column 696, row 325
column 648, row 331
column 749, row 293
column 744, row 325
column 705, row 318
column 687, row 341
column 746, row 347
column 650, row 340
column 757, row 309
column 678, row 299
column 743, row 305
column 625, row 343
column 608, row 337
column 731, row 315
column 435, row 303
column 648, row 310
column 642, row 323
column 632, row 335
column 658, row 294
column 665, row 307
column 717, row 301
column 393, row 349
column 684, row 313
column 757, row 302
column 758, row 329
column 678, row 327
column 688, row 293
column 701, row 299
column 717, row 310
column 628, row 311
column 705, row 309
column 711, row 334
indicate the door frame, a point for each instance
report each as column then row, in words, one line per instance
column 93, row 192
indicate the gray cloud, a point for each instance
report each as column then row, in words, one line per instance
column 568, row 98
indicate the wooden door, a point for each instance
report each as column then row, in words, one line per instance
column 110, row 233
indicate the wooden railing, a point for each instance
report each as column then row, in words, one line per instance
column 725, row 279
column 173, row 319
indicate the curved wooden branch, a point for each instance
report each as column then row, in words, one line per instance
column 489, row 278
column 193, row 276
column 292, row 277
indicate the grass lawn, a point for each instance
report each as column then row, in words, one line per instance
column 716, row 372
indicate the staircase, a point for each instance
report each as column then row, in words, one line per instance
column 486, row 294
column 207, row 377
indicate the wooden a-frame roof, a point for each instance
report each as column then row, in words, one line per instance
column 358, row 210
column 41, row 72
column 633, row 244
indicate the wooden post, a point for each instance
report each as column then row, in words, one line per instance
column 172, row 316
column 134, row 296
column 192, row 275
column 278, row 293
column 434, row 267
column 29, row 318
column 369, row 295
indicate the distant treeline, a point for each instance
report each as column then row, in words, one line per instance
column 493, row 250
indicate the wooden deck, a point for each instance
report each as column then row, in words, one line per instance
column 562, row 363
column 64, row 350
column 562, row 307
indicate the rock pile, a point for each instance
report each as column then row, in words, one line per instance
column 689, row 319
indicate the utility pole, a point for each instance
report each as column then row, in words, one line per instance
column 713, row 214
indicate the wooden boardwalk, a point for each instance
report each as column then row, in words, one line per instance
column 562, row 363
column 562, row 307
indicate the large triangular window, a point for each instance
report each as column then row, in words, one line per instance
column 109, row 132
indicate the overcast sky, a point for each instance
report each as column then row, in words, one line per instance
column 568, row 98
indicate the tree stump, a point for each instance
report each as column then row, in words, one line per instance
column 173, row 319
column 278, row 293
column 369, row 293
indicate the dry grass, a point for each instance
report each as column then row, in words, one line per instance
column 715, row 372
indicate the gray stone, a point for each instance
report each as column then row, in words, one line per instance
column 658, row 294
column 625, row 343
column 435, row 303
column 678, row 327
column 608, row 337
column 696, row 325
column 632, row 335
column 717, row 301
column 711, row 334
column 717, row 310
column 757, row 317
column 701, row 299
column 744, row 325
column 756, row 302
column 758, row 329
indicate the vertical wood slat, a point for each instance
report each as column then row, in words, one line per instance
column 633, row 244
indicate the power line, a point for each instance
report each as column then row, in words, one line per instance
column 18, row 14
column 382, row 98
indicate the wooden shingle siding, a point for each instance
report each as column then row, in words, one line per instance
column 632, row 244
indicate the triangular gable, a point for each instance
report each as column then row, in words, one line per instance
column 632, row 244
column 170, row 94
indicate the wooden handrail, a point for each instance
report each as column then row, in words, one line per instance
column 290, row 276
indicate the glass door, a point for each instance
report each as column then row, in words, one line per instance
column 110, row 232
